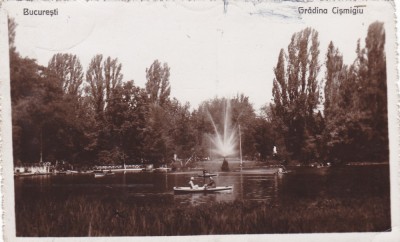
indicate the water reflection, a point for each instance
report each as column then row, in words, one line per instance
column 149, row 186
column 157, row 188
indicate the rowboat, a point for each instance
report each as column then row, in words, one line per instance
column 103, row 174
column 201, row 189
column 282, row 172
column 207, row 175
column 97, row 175
column 163, row 169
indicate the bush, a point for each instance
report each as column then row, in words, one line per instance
column 225, row 165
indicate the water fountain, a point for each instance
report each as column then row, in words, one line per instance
column 225, row 140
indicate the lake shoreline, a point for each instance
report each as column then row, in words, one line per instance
column 305, row 200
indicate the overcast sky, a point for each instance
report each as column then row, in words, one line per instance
column 210, row 53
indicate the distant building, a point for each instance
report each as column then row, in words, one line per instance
column 33, row 168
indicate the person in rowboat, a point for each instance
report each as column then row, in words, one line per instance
column 192, row 185
column 211, row 184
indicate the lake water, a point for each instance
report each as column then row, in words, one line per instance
column 255, row 185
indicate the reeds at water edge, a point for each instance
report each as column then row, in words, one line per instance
column 81, row 216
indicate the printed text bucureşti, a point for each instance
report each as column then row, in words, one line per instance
column 37, row 12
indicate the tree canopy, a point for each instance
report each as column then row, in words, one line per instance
column 63, row 112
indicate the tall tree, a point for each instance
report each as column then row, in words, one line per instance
column 182, row 130
column 157, row 85
column 333, row 76
column 103, row 78
column 135, row 111
column 356, row 121
column 68, row 69
column 120, row 137
column 12, row 25
column 112, row 76
column 264, row 135
column 158, row 138
column 158, row 146
column 243, row 114
column 295, row 90
column 42, row 128
column 95, row 79
column 103, row 90
column 25, row 100
column 376, row 89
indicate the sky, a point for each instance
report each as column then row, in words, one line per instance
column 211, row 53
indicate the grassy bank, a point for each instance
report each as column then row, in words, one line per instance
column 85, row 217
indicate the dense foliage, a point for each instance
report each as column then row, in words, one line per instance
column 63, row 113
column 352, row 124
column 295, row 95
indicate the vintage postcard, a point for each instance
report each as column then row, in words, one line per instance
column 202, row 120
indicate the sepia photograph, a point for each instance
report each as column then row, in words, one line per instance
column 218, row 120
